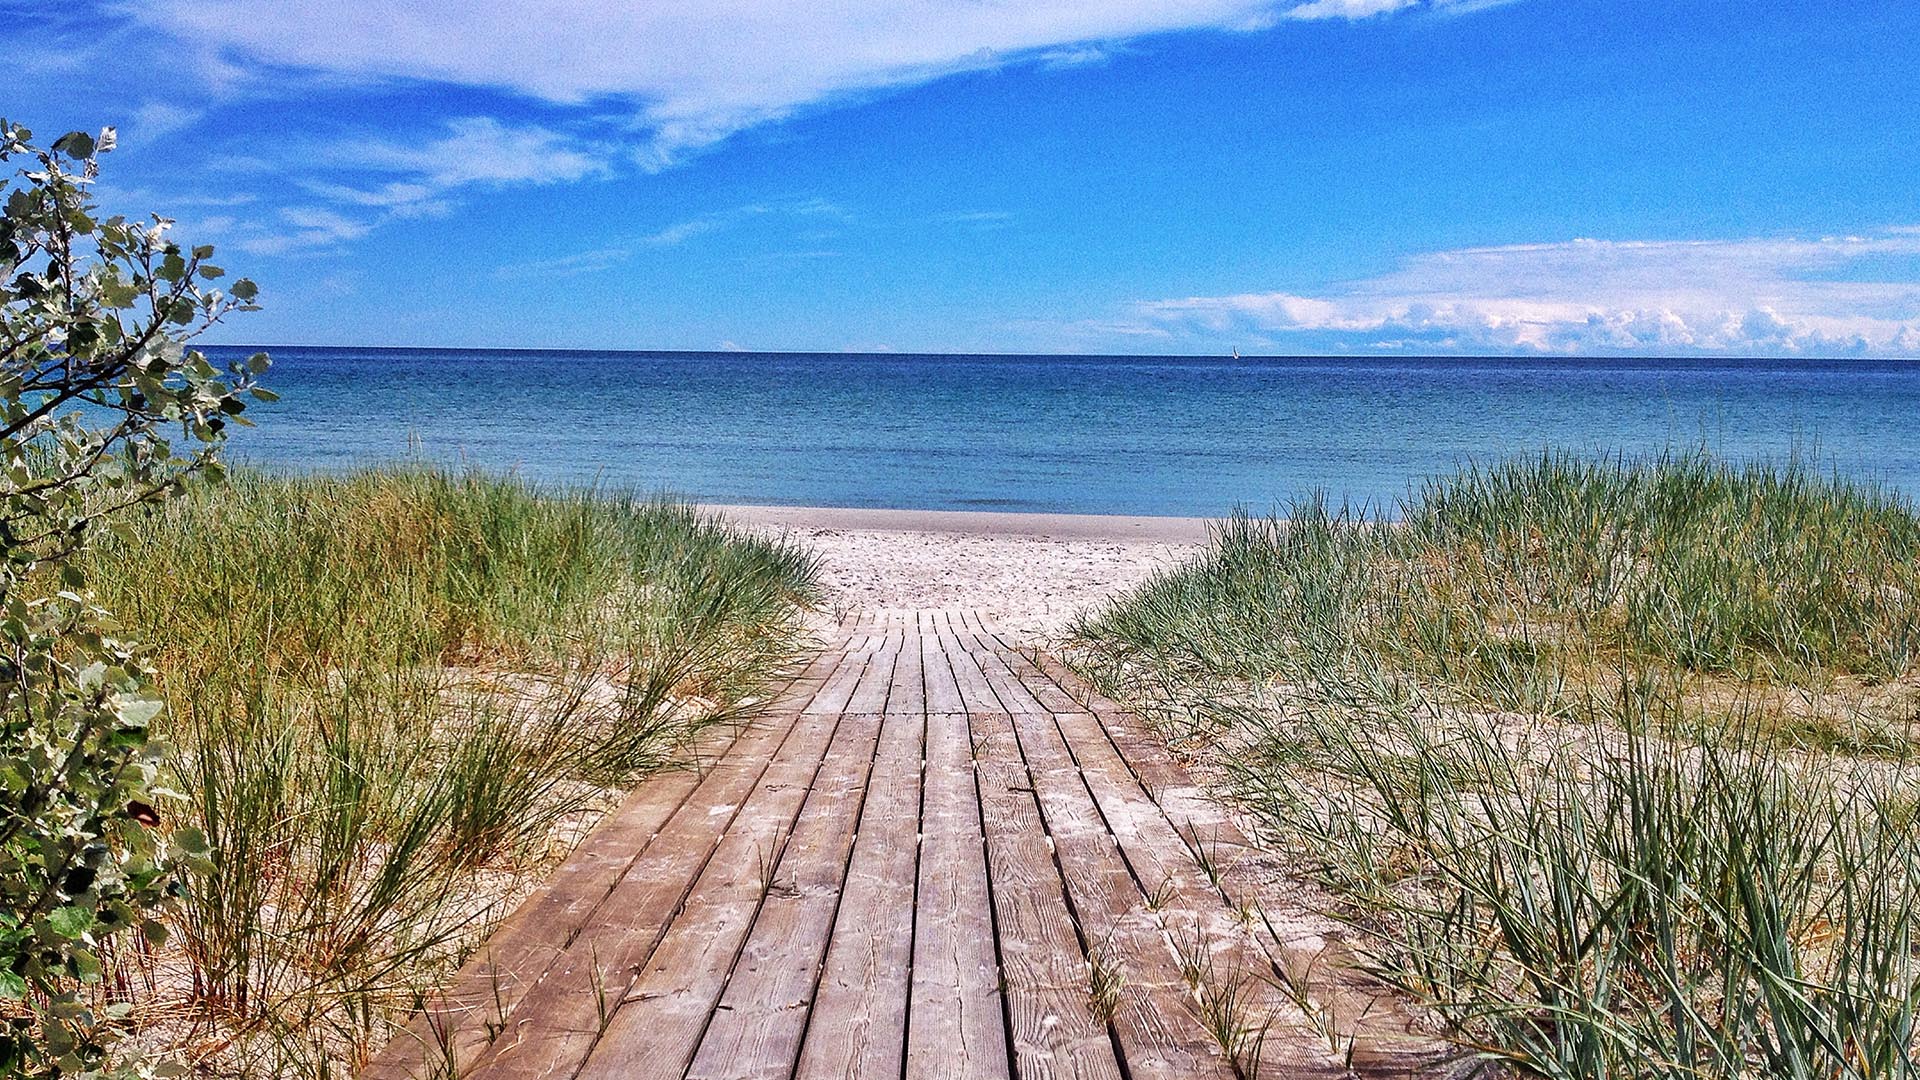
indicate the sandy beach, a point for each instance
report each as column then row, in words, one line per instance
column 1026, row 573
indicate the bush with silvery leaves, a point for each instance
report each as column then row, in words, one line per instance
column 103, row 410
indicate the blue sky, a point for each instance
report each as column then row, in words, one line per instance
column 1177, row 176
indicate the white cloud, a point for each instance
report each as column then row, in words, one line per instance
column 580, row 262
column 156, row 120
column 140, row 201
column 400, row 200
column 1367, row 9
column 397, row 193
column 694, row 71
column 1782, row 296
column 977, row 219
column 1347, row 9
column 683, row 231
column 480, row 150
column 470, row 151
column 294, row 230
column 673, row 235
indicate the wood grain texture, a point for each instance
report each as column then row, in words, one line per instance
column 933, row 855
column 757, row 1027
column 1157, row 1021
column 1054, row 1029
column 858, row 1026
column 956, row 1028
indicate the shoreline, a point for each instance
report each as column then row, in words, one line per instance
column 1120, row 528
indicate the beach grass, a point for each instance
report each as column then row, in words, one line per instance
column 1611, row 762
column 396, row 698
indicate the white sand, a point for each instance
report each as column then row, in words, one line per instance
column 1026, row 573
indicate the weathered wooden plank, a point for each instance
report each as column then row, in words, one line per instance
column 833, row 695
column 1373, row 1024
column 1083, row 692
column 657, row 1023
column 1159, row 856
column 559, row 1018
column 936, row 672
column 799, row 690
column 453, row 1030
column 870, row 693
column 1044, row 689
column 1049, row 982
column 1155, row 1021
column 756, row 1029
column 1013, row 695
column 919, row 921
column 976, row 693
column 1195, row 910
column 955, row 1025
column 1380, row 1034
column 907, row 696
column 858, row 1026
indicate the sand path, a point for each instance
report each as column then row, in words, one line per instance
column 1027, row 574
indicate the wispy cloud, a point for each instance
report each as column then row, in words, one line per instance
column 294, row 230
column 1367, row 9
column 1347, row 9
column 672, row 235
column 982, row 220
column 156, row 120
column 480, row 150
column 692, row 72
column 402, row 199
column 682, row 231
column 430, row 171
column 138, row 201
column 580, row 262
column 1788, row 296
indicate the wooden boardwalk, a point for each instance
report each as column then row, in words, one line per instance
column 932, row 855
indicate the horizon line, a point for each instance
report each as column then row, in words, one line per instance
column 1535, row 356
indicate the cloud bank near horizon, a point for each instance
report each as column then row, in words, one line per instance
column 1775, row 296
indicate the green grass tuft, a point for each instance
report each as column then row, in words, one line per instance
column 1611, row 760
column 395, row 696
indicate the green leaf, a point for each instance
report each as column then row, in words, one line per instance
column 74, row 144
column 138, row 712
column 70, row 922
column 12, row 987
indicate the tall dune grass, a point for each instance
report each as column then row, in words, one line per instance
column 1611, row 761
column 395, row 697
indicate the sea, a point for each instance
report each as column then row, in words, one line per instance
column 1143, row 435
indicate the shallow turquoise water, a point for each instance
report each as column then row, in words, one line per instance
column 1126, row 435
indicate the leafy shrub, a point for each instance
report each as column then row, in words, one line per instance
column 102, row 409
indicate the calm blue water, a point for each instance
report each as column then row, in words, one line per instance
column 1133, row 435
